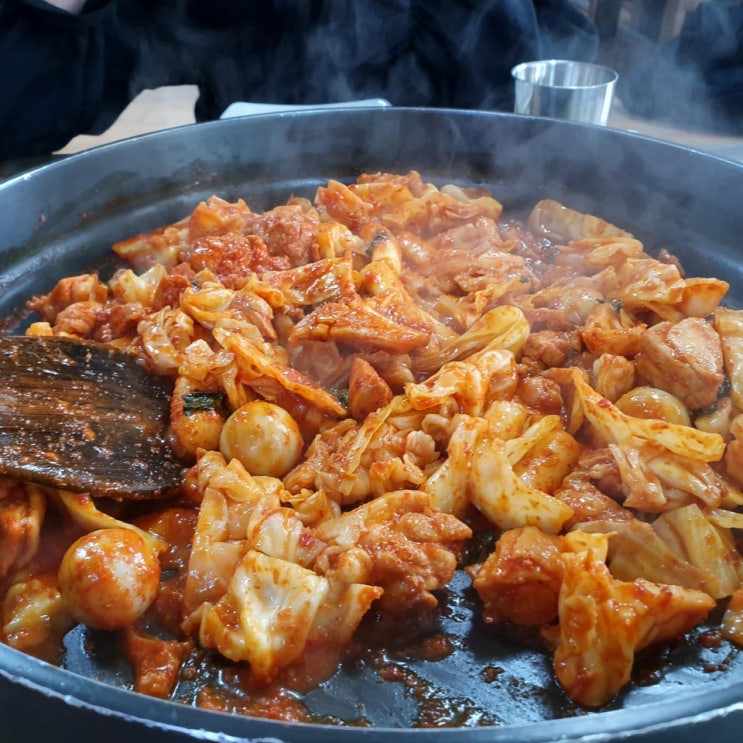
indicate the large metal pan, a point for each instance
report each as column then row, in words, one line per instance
column 62, row 218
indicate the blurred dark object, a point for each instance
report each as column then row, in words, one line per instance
column 63, row 75
column 695, row 79
column 605, row 14
column 50, row 73
column 10, row 168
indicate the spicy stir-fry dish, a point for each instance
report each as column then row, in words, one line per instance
column 376, row 390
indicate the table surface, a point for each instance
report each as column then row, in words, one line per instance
column 171, row 106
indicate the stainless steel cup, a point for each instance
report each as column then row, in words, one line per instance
column 563, row 89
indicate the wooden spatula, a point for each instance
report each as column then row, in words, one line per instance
column 85, row 417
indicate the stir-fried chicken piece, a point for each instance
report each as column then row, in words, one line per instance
column 684, row 358
column 588, row 502
column 729, row 326
column 398, row 542
column 367, row 391
column 288, row 230
column 552, row 348
column 155, row 662
column 233, row 258
column 86, row 288
column 520, row 581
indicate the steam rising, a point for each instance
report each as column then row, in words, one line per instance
column 694, row 80
column 448, row 53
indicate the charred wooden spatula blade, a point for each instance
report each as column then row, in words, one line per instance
column 84, row 417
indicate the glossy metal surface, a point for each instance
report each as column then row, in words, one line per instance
column 563, row 89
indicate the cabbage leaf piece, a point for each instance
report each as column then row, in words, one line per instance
column 82, row 509
column 466, row 383
column 636, row 550
column 693, row 537
column 35, row 616
column 23, row 507
column 656, row 481
column 478, row 471
column 230, row 498
column 269, row 610
column 616, row 427
column 603, row 622
column 272, row 380
column 552, row 218
column 504, row 328
column 128, row 287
